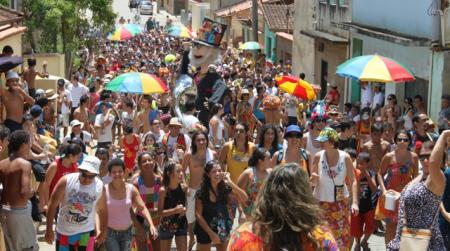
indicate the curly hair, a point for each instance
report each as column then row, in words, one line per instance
column 286, row 209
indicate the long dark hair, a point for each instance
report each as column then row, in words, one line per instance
column 222, row 189
column 169, row 168
column 258, row 154
column 286, row 209
column 246, row 136
column 194, row 138
column 266, row 128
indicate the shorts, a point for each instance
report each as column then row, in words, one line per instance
column 190, row 211
column 82, row 241
column 18, row 228
column 168, row 235
column 65, row 119
column 12, row 125
column 201, row 235
column 363, row 223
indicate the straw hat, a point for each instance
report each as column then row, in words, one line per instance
column 50, row 94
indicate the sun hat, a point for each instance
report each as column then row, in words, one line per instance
column 76, row 122
column 327, row 134
column 175, row 122
column 90, row 164
column 50, row 94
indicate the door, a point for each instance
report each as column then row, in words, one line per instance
column 323, row 78
column 355, row 88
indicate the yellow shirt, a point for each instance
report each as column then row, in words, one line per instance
column 237, row 161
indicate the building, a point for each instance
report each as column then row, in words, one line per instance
column 11, row 29
column 415, row 40
column 323, row 44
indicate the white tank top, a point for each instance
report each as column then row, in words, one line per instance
column 324, row 191
column 219, row 131
column 310, row 147
column 77, row 211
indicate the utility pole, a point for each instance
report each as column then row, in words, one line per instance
column 255, row 20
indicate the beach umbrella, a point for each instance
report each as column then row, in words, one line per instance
column 136, row 82
column 251, row 45
column 375, row 68
column 9, row 62
column 297, row 87
column 124, row 32
column 178, row 30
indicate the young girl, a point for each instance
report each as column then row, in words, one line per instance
column 130, row 143
column 172, row 208
column 211, row 207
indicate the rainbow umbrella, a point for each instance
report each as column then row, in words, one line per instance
column 136, row 82
column 251, row 45
column 375, row 68
column 297, row 87
column 124, row 32
column 179, row 31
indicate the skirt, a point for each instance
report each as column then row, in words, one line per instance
column 337, row 215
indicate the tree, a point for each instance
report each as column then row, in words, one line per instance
column 60, row 25
column 4, row 3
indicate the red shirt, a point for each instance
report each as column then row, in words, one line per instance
column 60, row 172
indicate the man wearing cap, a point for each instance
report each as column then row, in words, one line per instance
column 77, row 132
column 64, row 103
column 176, row 143
column 49, row 114
column 79, row 196
column 205, row 51
column 103, row 124
column 16, row 175
column 14, row 98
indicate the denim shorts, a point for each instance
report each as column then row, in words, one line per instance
column 168, row 235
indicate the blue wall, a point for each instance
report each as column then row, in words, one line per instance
column 268, row 35
column 411, row 17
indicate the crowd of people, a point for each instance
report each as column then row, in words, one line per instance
column 122, row 171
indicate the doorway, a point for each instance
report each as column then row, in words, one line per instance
column 323, row 78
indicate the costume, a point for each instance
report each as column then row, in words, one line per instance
column 210, row 85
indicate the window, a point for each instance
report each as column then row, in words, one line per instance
column 333, row 2
column 343, row 3
column 323, row 1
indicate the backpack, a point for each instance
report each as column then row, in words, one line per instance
column 302, row 152
column 181, row 142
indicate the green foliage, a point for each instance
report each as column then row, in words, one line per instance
column 4, row 3
column 59, row 25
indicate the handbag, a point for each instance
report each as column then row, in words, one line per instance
column 417, row 239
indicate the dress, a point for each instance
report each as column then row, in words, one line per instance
column 252, row 190
column 398, row 176
column 130, row 151
column 420, row 206
column 243, row 239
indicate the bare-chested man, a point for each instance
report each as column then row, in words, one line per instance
column 376, row 147
column 29, row 75
column 13, row 99
column 143, row 117
column 196, row 159
column 16, row 176
column 82, row 113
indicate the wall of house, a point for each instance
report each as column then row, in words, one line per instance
column 330, row 14
column 284, row 49
column 303, row 46
column 439, row 82
column 415, row 19
column 15, row 42
column 55, row 62
column 270, row 44
column 199, row 12
column 334, row 55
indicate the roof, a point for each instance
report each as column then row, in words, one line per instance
column 238, row 7
column 8, row 16
column 278, row 17
column 11, row 31
column 324, row 35
column 285, row 35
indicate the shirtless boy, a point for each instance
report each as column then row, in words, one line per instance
column 196, row 159
column 376, row 147
column 144, row 116
column 15, row 175
column 82, row 113
column 30, row 74
column 14, row 98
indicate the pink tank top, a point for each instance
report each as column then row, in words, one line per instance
column 119, row 210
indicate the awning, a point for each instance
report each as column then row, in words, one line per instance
column 324, row 35
column 285, row 35
column 12, row 31
column 230, row 10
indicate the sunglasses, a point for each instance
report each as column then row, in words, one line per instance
column 403, row 140
column 85, row 174
column 294, row 135
column 424, row 157
column 320, row 120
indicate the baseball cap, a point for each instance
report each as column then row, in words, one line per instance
column 328, row 133
column 90, row 164
column 35, row 111
column 293, row 128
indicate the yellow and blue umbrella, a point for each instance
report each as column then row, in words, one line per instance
column 136, row 82
column 180, row 31
column 251, row 45
column 375, row 68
